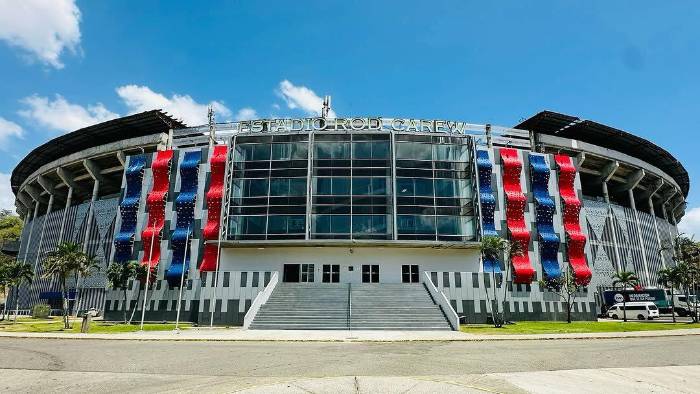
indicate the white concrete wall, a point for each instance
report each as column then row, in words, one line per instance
column 389, row 259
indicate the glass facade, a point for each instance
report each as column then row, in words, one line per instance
column 355, row 185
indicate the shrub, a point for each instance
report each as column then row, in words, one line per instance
column 41, row 311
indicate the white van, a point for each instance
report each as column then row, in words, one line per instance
column 635, row 310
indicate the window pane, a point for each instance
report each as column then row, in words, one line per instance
column 254, row 224
column 449, row 225
column 297, row 187
column 413, row 151
column 424, row 187
column 332, row 150
column 277, row 225
column 362, row 224
column 361, row 186
column 321, row 224
column 414, row 224
column 379, row 186
column 261, row 152
column 340, row 224
column 341, row 186
column 404, row 187
column 445, row 188
column 255, row 187
column 279, row 187
column 380, row 150
column 361, row 150
column 323, row 186
column 296, row 224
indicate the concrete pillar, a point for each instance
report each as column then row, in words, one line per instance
column 633, row 205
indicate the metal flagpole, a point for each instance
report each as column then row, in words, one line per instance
column 182, row 279
column 221, row 227
column 148, row 279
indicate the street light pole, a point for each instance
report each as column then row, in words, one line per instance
column 182, row 280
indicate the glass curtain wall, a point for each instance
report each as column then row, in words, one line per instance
column 434, row 188
column 351, row 186
column 268, row 193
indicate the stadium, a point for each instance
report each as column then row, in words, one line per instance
column 364, row 223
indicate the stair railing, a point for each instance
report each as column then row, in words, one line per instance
column 440, row 299
column 349, row 316
column 260, row 300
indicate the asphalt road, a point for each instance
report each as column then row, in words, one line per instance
column 30, row 364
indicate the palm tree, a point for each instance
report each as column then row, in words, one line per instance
column 669, row 277
column 4, row 284
column 626, row 279
column 68, row 258
column 493, row 248
column 85, row 266
column 18, row 273
column 118, row 275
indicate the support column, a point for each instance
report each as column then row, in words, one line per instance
column 69, row 180
column 606, row 175
column 652, row 212
column 639, row 235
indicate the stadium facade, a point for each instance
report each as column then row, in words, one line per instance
column 241, row 212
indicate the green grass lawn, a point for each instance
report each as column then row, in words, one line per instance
column 56, row 325
column 547, row 327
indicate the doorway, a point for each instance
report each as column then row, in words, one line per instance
column 410, row 273
column 296, row 273
column 370, row 273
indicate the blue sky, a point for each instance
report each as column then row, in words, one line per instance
column 630, row 64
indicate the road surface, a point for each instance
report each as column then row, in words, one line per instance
column 36, row 365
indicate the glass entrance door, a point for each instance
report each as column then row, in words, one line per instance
column 370, row 273
column 409, row 274
column 331, row 273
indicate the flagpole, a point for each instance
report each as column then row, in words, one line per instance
column 148, row 278
column 182, row 279
column 221, row 227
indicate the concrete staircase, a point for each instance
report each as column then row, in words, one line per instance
column 401, row 306
column 301, row 306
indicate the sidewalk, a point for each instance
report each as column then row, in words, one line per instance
column 236, row 334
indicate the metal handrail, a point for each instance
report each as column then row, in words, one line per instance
column 349, row 316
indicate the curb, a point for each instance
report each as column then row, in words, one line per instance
column 483, row 338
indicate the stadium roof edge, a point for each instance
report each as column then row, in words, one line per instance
column 145, row 123
column 572, row 127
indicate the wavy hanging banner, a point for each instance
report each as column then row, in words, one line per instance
column 155, row 201
column 129, row 207
column 571, row 207
column 487, row 202
column 184, row 206
column 515, row 215
column 544, row 213
column 214, row 198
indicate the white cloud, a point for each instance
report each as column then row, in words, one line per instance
column 63, row 116
column 142, row 98
column 7, row 198
column 42, row 28
column 246, row 113
column 9, row 129
column 690, row 224
column 301, row 97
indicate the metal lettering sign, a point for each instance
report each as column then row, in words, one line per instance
column 350, row 124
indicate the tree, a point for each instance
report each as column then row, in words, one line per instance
column 565, row 287
column 513, row 249
column 68, row 258
column 5, row 262
column 626, row 279
column 10, row 226
column 118, row 275
column 84, row 267
column 686, row 255
column 18, row 273
column 492, row 249
column 670, row 277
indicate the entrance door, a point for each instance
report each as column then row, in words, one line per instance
column 331, row 273
column 290, row 273
column 409, row 274
column 307, row 273
column 370, row 273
